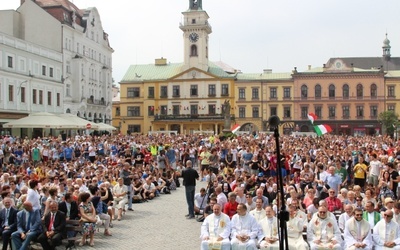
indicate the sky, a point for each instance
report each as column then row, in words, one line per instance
column 249, row 35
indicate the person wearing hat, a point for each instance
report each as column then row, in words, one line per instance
column 388, row 205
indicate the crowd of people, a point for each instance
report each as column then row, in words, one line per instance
column 328, row 181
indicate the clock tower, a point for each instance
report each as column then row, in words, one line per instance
column 195, row 29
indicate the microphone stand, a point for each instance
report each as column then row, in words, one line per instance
column 283, row 214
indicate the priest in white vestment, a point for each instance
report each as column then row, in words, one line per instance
column 215, row 230
column 268, row 237
column 295, row 227
column 386, row 233
column 244, row 230
column 344, row 217
column 357, row 232
column 258, row 213
column 323, row 232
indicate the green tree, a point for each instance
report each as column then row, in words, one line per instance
column 389, row 121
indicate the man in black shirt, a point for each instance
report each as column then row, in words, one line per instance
column 394, row 176
column 189, row 181
column 127, row 176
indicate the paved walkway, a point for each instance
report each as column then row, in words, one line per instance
column 157, row 224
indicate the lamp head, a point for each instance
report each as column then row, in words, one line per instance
column 274, row 121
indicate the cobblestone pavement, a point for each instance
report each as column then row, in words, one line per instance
column 157, row 224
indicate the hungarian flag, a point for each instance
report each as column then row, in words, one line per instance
column 235, row 128
column 312, row 117
column 322, row 129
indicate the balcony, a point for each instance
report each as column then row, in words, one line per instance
column 101, row 102
column 218, row 117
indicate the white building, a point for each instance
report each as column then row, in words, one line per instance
column 61, row 53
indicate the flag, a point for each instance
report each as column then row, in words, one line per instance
column 312, row 117
column 322, row 129
column 235, row 128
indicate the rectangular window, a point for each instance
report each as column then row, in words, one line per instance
column 150, row 110
column 163, row 110
column 41, row 97
column 374, row 111
column 193, row 90
column 51, row 72
column 10, row 93
column 391, row 91
column 194, row 109
column 255, row 93
column 10, row 61
column 304, row 112
column 346, row 111
column 175, row 91
column 287, row 112
column 23, row 94
column 391, row 108
column 58, row 99
column 133, row 92
column 211, row 109
column 34, row 96
column 224, row 90
column 273, row 93
column 49, row 98
column 134, row 129
column 118, row 111
column 242, row 112
column 151, row 92
column 43, row 70
column 318, row 111
column 211, row 90
column 133, row 111
column 256, row 112
column 332, row 111
column 273, row 111
column 164, row 92
column 286, row 92
column 175, row 109
column 360, row 111
column 242, row 93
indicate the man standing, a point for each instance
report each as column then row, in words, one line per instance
column 357, row 232
column 244, row 229
column 269, row 233
column 54, row 225
column 29, row 226
column 387, row 233
column 215, row 230
column 189, row 181
column 8, row 221
column 127, row 176
column 323, row 231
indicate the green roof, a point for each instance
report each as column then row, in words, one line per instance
column 152, row 72
column 263, row 76
column 321, row 70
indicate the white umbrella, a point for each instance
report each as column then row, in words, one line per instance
column 42, row 120
column 80, row 122
column 104, row 126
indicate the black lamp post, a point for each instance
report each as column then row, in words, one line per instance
column 283, row 215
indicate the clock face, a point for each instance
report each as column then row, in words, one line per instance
column 193, row 37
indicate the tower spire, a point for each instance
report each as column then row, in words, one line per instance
column 386, row 49
column 195, row 5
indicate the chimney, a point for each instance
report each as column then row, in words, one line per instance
column 267, row 71
column 161, row 61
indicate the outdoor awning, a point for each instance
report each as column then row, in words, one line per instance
column 80, row 122
column 42, row 120
column 104, row 126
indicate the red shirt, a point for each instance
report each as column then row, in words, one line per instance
column 230, row 209
column 334, row 204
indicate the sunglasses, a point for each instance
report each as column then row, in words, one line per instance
column 389, row 216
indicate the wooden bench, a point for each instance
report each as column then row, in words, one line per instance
column 72, row 226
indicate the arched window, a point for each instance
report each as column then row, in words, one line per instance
column 360, row 91
column 346, row 91
column 304, row 92
column 68, row 111
column 193, row 50
column 332, row 91
column 318, row 91
column 374, row 91
column 78, row 114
